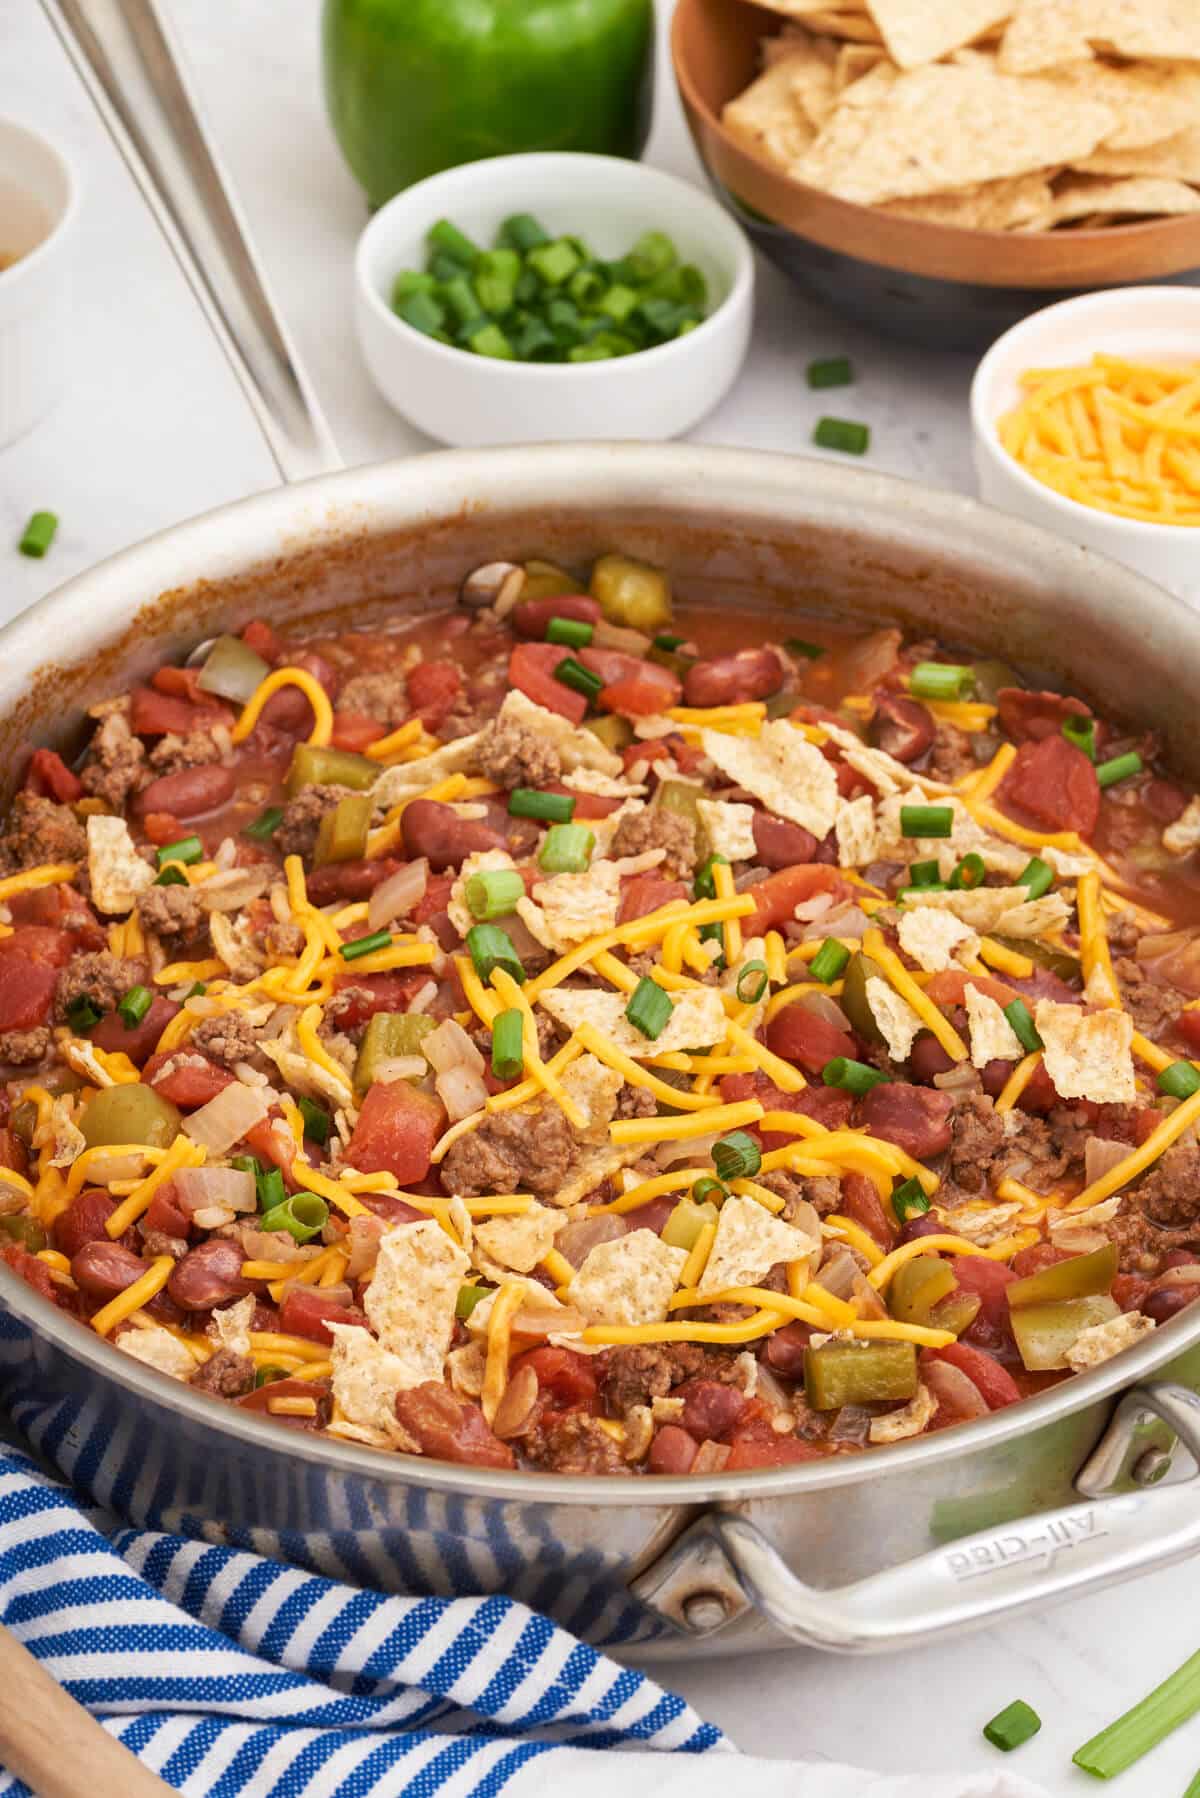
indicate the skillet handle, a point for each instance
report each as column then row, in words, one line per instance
column 724, row 1565
column 126, row 58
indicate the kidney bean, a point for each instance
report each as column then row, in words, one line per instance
column 672, row 1451
column 785, row 1350
column 1165, row 1302
column 260, row 1400
column 304, row 1312
column 208, row 1275
column 927, row 1058
column 862, row 1204
column 349, row 880
column 530, row 618
column 734, row 679
column 167, row 1215
column 113, row 1035
column 82, row 1221
column 710, row 1409
column 289, row 710
column 901, row 727
column 190, row 791
column 924, row 1225
column 448, row 1430
column 442, row 837
column 778, row 844
column 103, row 1269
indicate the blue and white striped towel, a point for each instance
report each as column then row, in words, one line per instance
column 236, row 1677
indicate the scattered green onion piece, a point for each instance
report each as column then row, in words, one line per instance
column 799, row 646
column 1037, row 877
column 1179, row 1081
column 668, row 641
column 704, row 886
column 941, row 680
column 909, row 1200
column 566, row 849
column 736, row 1156
column 586, row 287
column 851, row 1076
column 1015, row 1724
column 842, row 434
column 1119, row 768
column 303, row 1215
column 1081, row 732
column 82, row 1014
column 926, row 820
column 829, row 962
column 968, row 875
column 468, row 1298
column 1193, row 1790
column 573, row 674
column 1023, row 1026
column 172, row 876
column 924, row 874
column 411, row 280
column 535, row 342
column 134, row 1006
column 576, row 633
column 267, row 1376
column 447, row 237
column 187, row 850
column 1145, row 1725
column 834, row 371
column 271, row 1190
column 752, row 982
column 445, row 268
column 197, row 990
column 523, row 232
column 462, row 300
column 935, row 886
column 548, row 808
column 706, row 1187
column 713, row 933
column 649, row 1009
column 508, row 1045
column 493, row 893
column 652, row 255
column 246, row 1164
column 265, row 825
column 490, row 947
column 38, row 534
column 316, row 1121
column 366, row 945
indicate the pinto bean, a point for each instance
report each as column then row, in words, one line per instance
column 901, row 727
column 731, row 680
column 778, row 844
column 208, row 1275
column 672, row 1451
column 190, row 791
column 103, row 1269
column 442, row 837
column 83, row 1221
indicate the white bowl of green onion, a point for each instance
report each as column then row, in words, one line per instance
column 553, row 297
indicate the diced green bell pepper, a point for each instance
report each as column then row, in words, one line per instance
column 129, row 1114
column 680, row 797
column 1079, row 1278
column 546, row 580
column 632, row 593
column 682, row 1229
column 614, row 732
column 847, row 1373
column 917, row 1286
column 389, row 1034
column 342, row 832
column 314, row 767
column 233, row 670
column 1044, row 1333
column 853, row 1001
column 26, row 1231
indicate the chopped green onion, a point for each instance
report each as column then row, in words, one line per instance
column 704, row 886
column 508, row 1045
column 267, row 1375
column 422, row 312
column 1193, row 1790
column 246, row 1164
column 1119, row 768
column 708, row 1188
column 38, row 534
column 367, row 945
column 909, row 1200
column 736, row 1156
column 1037, row 877
column 713, row 933
column 926, row 820
column 842, row 434
column 495, row 279
column 447, row 237
column 924, row 874
column 566, row 849
column 303, row 1216
column 134, row 1006
column 187, row 850
column 752, row 982
column 549, row 808
column 834, row 371
column 1179, row 1081
column 1081, row 732
column 829, row 961
column 1015, row 1724
column 968, row 875
column 668, row 641
column 523, row 232
column 265, row 825
column 576, row 633
column 197, row 990
column 554, row 262
column 490, row 947
column 490, row 340
column 573, row 674
column 851, row 1076
column 493, row 893
column 82, row 1014
column 649, row 1009
column 468, row 1298
column 935, row 886
column 799, row 646
column 172, row 876
column 941, row 680
column 316, row 1121
column 653, row 254
column 1145, row 1725
column 1023, row 1026
column 271, row 1190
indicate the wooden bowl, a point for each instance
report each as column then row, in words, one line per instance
column 930, row 284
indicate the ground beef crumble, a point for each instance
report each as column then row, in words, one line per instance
column 101, row 977
column 225, row 1374
column 653, row 828
column 116, row 764
column 297, row 832
column 514, row 756
column 173, row 913
column 40, row 831
column 633, row 1376
column 227, row 1040
column 513, row 1151
column 173, row 752
column 573, row 1442
column 22, row 1048
column 382, row 696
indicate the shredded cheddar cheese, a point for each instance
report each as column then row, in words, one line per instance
column 902, row 981
column 505, row 1306
column 1169, row 1131
column 312, row 690
column 680, row 1129
column 1018, row 1080
column 134, row 1297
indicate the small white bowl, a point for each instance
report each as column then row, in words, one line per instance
column 1146, row 324
column 38, row 203
column 470, row 400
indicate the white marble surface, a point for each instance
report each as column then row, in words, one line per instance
column 154, row 429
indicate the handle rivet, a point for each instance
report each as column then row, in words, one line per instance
column 1150, row 1467
column 704, row 1611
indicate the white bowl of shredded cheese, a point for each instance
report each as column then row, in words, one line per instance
column 1093, row 432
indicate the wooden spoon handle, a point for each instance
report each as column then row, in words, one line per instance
column 51, row 1743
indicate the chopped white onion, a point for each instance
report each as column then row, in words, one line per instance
column 962, row 1078
column 211, row 1217
column 398, row 895
column 952, row 1388
column 400, row 1067
column 365, row 1232
column 228, row 1188
column 618, row 636
column 232, row 890
column 1100, row 1155
column 424, row 997
column 226, row 1119
column 822, row 1006
column 226, row 855
column 710, row 1456
column 449, row 1047
column 579, row 1239
column 274, row 1245
column 699, row 1149
column 461, row 1091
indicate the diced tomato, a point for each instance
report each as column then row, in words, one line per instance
column 1027, row 717
column 27, row 1267
column 863, row 1205
column 153, row 713
column 1188, row 1026
column 643, row 893
column 810, row 1041
column 436, row 898
column 988, row 1281
column 165, row 1214
column 432, row 689
column 568, row 1380
column 776, row 897
column 44, row 944
column 29, row 964
column 531, row 670
column 189, row 1085
column 1040, row 1094
column 587, row 805
column 162, row 827
column 915, row 1118
column 395, row 1133
column 826, row 1104
column 1128, row 1291
column 260, row 637
column 48, row 776
column 59, row 906
column 376, row 992
column 354, row 731
column 632, row 685
column 531, row 617
column 13, row 1153
column 307, row 1312
column 769, row 1450
column 274, row 1146
column 1033, row 1259
column 114, row 1036
column 948, row 987
column 995, row 1384
column 1054, row 784
column 1164, row 800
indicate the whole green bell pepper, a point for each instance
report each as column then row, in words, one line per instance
column 414, row 86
